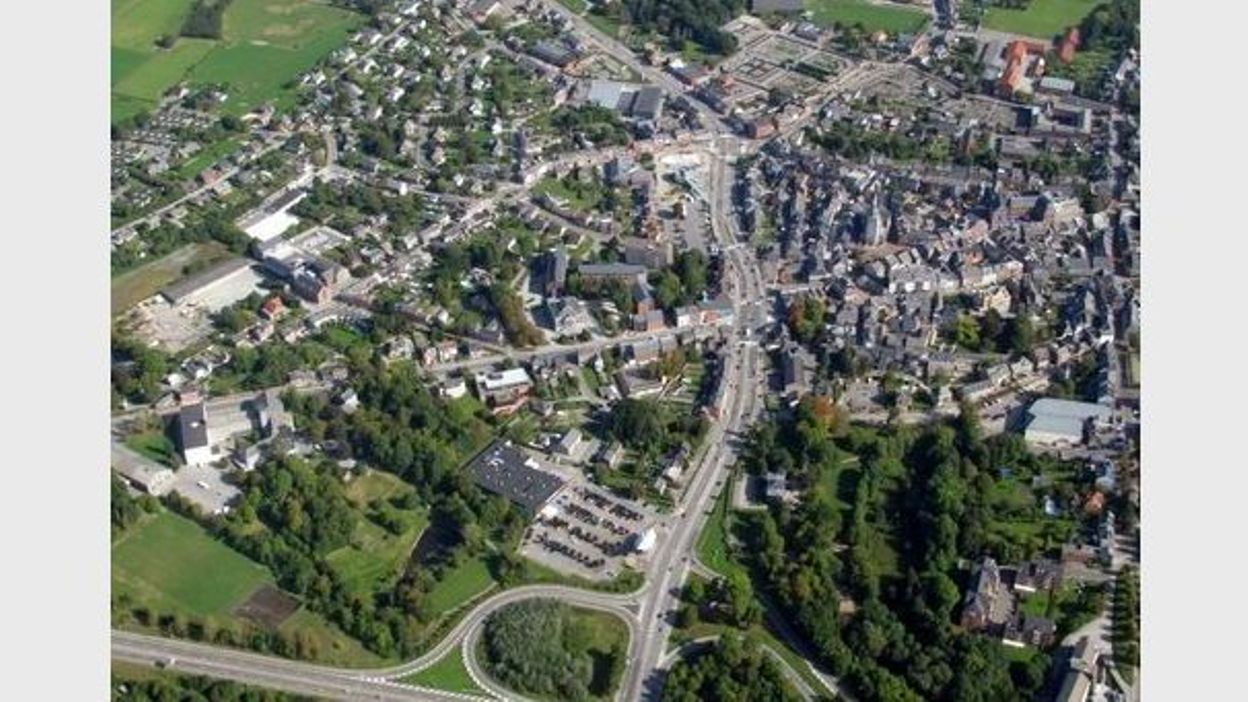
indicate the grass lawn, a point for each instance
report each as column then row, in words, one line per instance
column 155, row 445
column 449, row 674
column 171, row 559
column 894, row 20
column 375, row 485
column 608, row 634
column 580, row 199
column 576, row 6
column 459, row 585
column 266, row 44
column 375, row 558
column 1043, row 19
column 208, row 156
column 841, row 484
column 1036, row 604
column 1086, row 69
column 713, row 548
column 604, row 24
column 138, row 284
column 332, row 645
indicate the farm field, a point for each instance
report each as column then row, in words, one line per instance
column 894, row 20
column 170, row 559
column 265, row 44
column 1043, row 19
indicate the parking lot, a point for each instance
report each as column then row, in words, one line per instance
column 586, row 533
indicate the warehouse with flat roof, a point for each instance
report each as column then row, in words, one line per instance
column 504, row 470
column 1054, row 422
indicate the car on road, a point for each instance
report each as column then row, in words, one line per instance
column 202, row 484
column 166, row 662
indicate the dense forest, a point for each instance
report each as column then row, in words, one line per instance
column 921, row 493
column 682, row 283
column 698, row 21
column 542, row 648
column 1113, row 25
column 734, row 669
column 649, row 427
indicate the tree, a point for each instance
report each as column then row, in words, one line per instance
column 966, row 333
column 638, row 423
column 1019, row 334
column 734, row 669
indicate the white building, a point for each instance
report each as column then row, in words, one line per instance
column 193, row 435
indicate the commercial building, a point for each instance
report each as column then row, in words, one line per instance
column 502, row 387
column 142, row 475
column 504, row 470
column 1054, row 422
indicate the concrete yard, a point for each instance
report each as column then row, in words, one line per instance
column 190, row 482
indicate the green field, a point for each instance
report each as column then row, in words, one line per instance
column 459, row 585
column 449, row 674
column 891, row 19
column 375, row 558
column 170, row 560
column 155, row 445
column 266, row 44
column 608, row 634
column 1043, row 19
column 138, row 284
column 713, row 549
column 208, row 156
column 168, row 564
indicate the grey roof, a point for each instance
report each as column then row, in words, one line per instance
column 778, row 6
column 193, row 427
column 605, row 93
column 504, row 470
column 646, row 104
column 1063, row 417
column 194, row 283
column 1064, row 85
column 611, row 270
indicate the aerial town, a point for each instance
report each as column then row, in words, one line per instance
column 622, row 350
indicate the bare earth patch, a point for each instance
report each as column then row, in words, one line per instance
column 268, row 606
